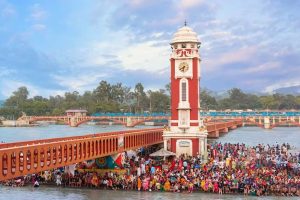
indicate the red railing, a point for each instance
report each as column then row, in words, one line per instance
column 28, row 157
column 21, row 158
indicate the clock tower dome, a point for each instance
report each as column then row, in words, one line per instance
column 186, row 133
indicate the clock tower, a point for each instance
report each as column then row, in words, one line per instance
column 186, row 133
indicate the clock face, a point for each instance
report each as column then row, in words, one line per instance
column 183, row 67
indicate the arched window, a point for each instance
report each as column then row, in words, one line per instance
column 183, row 91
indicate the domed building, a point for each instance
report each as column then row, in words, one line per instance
column 185, row 34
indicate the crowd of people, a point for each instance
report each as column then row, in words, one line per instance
column 229, row 168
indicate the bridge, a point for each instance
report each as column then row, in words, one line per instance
column 74, row 121
column 264, row 119
column 29, row 157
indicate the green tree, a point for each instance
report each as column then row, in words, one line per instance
column 18, row 98
column 118, row 93
column 140, row 96
column 103, row 92
column 160, row 102
column 207, row 101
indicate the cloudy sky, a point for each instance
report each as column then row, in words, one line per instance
column 55, row 46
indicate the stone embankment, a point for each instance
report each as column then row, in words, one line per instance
column 15, row 123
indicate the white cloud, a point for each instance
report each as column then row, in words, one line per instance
column 157, row 34
column 80, row 82
column 8, row 10
column 93, row 55
column 5, row 71
column 7, row 87
column 217, row 61
column 39, row 27
column 150, row 55
column 146, row 55
column 137, row 3
column 263, row 67
column 38, row 13
column 185, row 4
column 282, row 84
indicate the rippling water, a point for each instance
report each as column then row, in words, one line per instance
column 256, row 135
column 13, row 134
column 247, row 135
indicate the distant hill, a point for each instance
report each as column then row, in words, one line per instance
column 294, row 90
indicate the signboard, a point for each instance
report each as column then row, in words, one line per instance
column 183, row 143
column 104, row 171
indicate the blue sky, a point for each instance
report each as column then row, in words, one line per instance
column 56, row 46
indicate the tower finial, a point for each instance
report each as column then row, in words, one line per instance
column 185, row 23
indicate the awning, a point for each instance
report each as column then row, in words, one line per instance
column 162, row 153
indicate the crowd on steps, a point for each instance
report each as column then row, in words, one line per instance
column 230, row 168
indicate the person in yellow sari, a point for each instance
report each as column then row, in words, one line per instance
column 233, row 164
column 167, row 186
column 203, row 185
column 227, row 162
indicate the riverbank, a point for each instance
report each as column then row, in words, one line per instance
column 29, row 193
column 198, row 193
column 14, row 126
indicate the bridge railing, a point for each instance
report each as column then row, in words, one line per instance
column 210, row 114
column 18, row 159
column 131, row 114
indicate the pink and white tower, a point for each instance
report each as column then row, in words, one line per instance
column 186, row 133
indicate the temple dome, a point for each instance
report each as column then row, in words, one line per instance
column 185, row 34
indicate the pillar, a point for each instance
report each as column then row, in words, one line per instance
column 259, row 120
column 73, row 122
column 233, row 127
column 266, row 122
column 225, row 130
column 165, row 144
column 128, row 122
column 203, row 148
column 292, row 119
column 214, row 134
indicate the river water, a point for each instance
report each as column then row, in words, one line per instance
column 247, row 135
column 53, row 193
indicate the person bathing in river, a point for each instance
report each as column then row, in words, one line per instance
column 36, row 184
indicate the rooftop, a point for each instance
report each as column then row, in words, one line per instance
column 76, row 111
column 185, row 34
